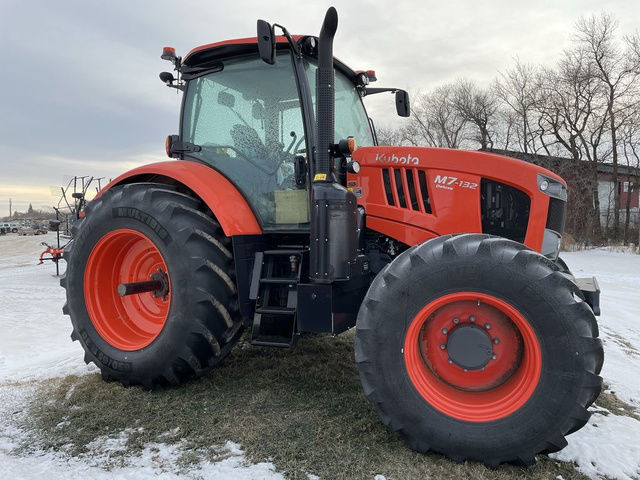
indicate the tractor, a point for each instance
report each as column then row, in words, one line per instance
column 279, row 214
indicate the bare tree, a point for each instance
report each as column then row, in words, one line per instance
column 619, row 71
column 434, row 120
column 573, row 117
column 389, row 135
column 478, row 107
column 517, row 89
column 630, row 137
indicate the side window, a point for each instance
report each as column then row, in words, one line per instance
column 350, row 116
column 248, row 121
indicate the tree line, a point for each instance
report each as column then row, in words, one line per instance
column 583, row 112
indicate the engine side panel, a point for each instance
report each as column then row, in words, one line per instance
column 416, row 193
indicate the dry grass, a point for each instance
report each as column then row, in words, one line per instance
column 303, row 409
column 608, row 400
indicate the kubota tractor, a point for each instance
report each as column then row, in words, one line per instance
column 281, row 214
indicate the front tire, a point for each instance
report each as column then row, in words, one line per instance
column 478, row 348
column 129, row 233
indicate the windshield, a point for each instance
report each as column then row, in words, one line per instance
column 350, row 116
column 248, row 121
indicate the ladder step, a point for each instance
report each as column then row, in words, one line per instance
column 276, row 310
column 273, row 342
column 284, row 281
column 283, row 252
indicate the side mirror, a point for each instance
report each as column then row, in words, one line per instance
column 266, row 42
column 167, row 78
column 402, row 103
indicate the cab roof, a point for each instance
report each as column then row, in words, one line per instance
column 239, row 46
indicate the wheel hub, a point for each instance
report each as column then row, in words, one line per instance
column 127, row 289
column 472, row 356
column 470, row 347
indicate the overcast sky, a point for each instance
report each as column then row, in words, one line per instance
column 82, row 96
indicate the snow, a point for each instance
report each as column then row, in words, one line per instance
column 35, row 344
column 608, row 445
column 618, row 275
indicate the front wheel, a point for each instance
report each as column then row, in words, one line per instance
column 478, row 348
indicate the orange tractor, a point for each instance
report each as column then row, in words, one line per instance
column 281, row 215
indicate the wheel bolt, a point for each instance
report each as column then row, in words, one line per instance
column 444, row 331
column 494, row 356
column 443, row 346
column 487, row 326
column 472, row 319
column 456, row 320
column 496, row 340
column 466, row 370
column 450, row 361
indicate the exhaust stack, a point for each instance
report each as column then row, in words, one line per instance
column 334, row 231
column 325, row 95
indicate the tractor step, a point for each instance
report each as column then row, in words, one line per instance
column 274, row 287
column 276, row 310
column 285, row 281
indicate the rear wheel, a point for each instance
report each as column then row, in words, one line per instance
column 182, row 326
column 478, row 348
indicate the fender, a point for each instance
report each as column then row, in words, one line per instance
column 221, row 196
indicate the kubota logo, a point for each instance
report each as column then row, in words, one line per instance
column 405, row 160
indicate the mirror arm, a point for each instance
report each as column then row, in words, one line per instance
column 373, row 90
column 285, row 32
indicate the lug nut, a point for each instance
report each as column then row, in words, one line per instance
column 472, row 319
column 456, row 320
column 443, row 346
column 466, row 370
column 496, row 340
column 450, row 361
column 444, row 331
column 487, row 326
column 494, row 356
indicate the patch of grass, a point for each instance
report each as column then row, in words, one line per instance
column 303, row 409
column 611, row 402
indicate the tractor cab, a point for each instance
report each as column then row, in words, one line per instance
column 255, row 121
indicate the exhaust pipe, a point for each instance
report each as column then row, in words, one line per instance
column 325, row 96
column 334, row 230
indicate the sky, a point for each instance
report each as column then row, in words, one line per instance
column 82, row 94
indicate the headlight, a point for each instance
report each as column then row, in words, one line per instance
column 552, row 187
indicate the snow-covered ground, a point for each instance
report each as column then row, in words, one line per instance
column 35, row 344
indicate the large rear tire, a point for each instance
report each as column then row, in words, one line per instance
column 478, row 348
column 128, row 234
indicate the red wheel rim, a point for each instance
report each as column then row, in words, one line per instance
column 134, row 321
column 496, row 390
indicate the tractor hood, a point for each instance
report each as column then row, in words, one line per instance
column 416, row 193
column 514, row 172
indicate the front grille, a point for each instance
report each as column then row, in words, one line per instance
column 505, row 210
column 556, row 215
column 403, row 188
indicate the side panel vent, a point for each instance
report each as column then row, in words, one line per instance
column 422, row 179
column 399, row 188
column 412, row 190
column 505, row 210
column 386, row 179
